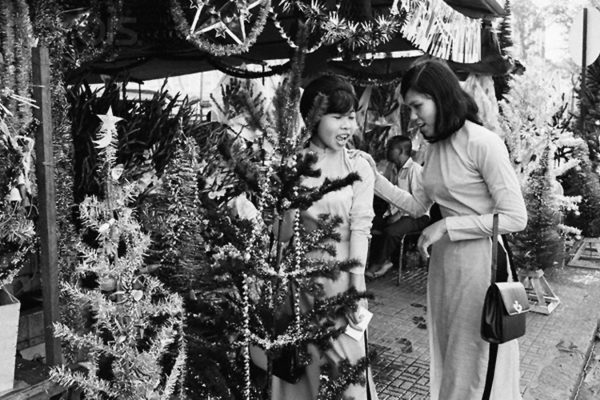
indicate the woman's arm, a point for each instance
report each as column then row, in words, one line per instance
column 361, row 220
column 416, row 203
column 490, row 156
column 361, row 216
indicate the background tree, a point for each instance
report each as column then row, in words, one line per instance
column 589, row 105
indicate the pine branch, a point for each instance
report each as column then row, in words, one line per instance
column 308, row 196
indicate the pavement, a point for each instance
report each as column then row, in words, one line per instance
column 560, row 353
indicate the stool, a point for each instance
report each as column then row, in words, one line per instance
column 402, row 254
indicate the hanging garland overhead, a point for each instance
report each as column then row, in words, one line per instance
column 431, row 25
column 246, row 73
column 334, row 28
column 436, row 28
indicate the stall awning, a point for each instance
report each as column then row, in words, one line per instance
column 158, row 51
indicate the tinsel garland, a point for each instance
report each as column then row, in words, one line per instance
column 17, row 180
column 431, row 25
column 183, row 27
column 289, row 40
column 15, row 69
column 363, row 79
column 333, row 389
column 351, row 35
column 434, row 27
column 82, row 32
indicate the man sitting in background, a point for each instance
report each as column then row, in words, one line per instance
column 398, row 168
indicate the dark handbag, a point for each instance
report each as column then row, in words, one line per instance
column 288, row 364
column 505, row 304
column 503, row 315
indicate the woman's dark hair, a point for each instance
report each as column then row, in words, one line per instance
column 454, row 106
column 341, row 97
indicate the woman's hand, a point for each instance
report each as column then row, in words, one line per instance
column 366, row 156
column 369, row 159
column 355, row 317
column 430, row 235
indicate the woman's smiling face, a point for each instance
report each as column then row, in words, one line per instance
column 335, row 130
column 422, row 112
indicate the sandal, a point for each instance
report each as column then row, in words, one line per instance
column 383, row 270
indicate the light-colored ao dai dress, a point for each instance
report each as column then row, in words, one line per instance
column 354, row 205
column 470, row 176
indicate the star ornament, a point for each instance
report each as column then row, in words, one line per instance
column 108, row 127
column 229, row 20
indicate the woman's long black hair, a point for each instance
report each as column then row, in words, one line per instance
column 454, row 106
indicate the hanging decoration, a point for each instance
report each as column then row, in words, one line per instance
column 431, row 25
column 288, row 9
column 107, row 129
column 226, row 23
column 334, row 28
column 434, row 27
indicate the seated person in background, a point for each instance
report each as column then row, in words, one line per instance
column 400, row 169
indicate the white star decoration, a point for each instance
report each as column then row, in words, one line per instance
column 108, row 127
column 219, row 22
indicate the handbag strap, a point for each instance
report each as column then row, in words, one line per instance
column 494, row 248
column 491, row 368
column 489, row 378
column 367, row 370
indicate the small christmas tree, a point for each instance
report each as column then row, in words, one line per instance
column 539, row 246
column 135, row 324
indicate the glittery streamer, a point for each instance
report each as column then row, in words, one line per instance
column 246, row 336
column 436, row 28
column 290, row 42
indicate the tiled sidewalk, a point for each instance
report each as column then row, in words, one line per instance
column 553, row 351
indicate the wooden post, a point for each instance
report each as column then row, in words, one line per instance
column 46, row 201
column 583, row 110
